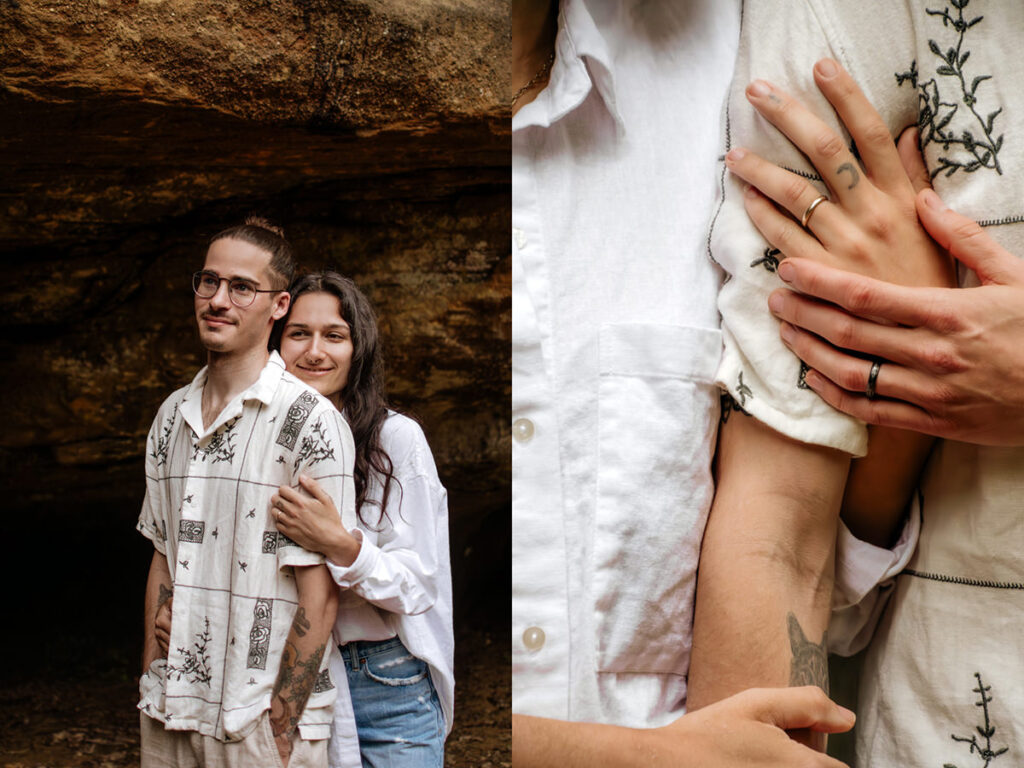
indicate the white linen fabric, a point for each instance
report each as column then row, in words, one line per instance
column 207, row 509
column 941, row 680
column 615, row 345
column 400, row 583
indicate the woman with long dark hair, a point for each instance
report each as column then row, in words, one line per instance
column 394, row 626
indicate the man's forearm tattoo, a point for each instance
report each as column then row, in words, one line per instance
column 295, row 680
column 166, row 593
column 301, row 624
column 810, row 660
column 854, row 173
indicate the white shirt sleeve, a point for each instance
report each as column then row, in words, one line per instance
column 399, row 572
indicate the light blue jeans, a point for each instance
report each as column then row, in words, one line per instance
column 398, row 714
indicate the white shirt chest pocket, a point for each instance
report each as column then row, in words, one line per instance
column 658, row 420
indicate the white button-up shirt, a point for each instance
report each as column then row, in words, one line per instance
column 207, row 509
column 615, row 346
column 400, row 584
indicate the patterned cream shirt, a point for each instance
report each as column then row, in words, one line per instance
column 207, row 509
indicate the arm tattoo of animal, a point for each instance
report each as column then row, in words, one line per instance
column 810, row 660
column 166, row 593
column 295, row 680
column 854, row 173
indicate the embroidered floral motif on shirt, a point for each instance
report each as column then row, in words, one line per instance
column 936, row 116
column 191, row 530
column 298, row 413
column 316, row 446
column 986, row 754
column 220, row 447
column 769, row 260
column 163, row 440
column 196, row 668
column 259, row 635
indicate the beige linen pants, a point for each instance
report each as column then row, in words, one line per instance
column 187, row 749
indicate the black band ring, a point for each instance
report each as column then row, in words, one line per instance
column 869, row 391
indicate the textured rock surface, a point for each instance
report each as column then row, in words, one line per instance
column 131, row 130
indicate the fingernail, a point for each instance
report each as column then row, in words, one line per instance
column 759, row 88
column 735, row 155
column 775, row 303
column 749, row 191
column 813, row 380
column 847, row 713
column 785, row 271
column 787, row 333
column 826, row 68
column 932, row 200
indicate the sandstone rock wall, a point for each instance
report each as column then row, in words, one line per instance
column 132, row 130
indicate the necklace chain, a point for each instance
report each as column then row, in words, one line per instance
column 541, row 74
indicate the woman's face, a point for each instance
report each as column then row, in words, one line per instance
column 317, row 344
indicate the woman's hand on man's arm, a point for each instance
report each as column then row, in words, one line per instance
column 953, row 359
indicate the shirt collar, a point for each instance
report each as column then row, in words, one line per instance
column 262, row 389
column 582, row 62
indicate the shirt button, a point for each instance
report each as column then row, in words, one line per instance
column 533, row 639
column 522, row 430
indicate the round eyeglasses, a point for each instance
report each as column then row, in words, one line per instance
column 241, row 292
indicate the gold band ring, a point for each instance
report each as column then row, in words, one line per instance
column 869, row 391
column 810, row 209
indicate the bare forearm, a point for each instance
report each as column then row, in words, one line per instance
column 304, row 649
column 159, row 589
column 882, row 483
column 539, row 742
column 766, row 570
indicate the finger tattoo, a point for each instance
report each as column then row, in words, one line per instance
column 854, row 174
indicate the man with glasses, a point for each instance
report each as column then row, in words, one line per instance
column 245, row 672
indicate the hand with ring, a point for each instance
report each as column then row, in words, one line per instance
column 867, row 221
column 308, row 516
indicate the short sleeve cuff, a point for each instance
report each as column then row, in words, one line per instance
column 147, row 529
column 294, row 555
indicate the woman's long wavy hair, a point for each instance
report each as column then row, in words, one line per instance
column 365, row 402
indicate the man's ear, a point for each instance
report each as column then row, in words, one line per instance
column 281, row 304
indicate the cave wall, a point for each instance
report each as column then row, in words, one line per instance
column 131, row 131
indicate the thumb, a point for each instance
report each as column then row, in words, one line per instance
column 910, row 155
column 967, row 242
column 805, row 707
column 313, row 488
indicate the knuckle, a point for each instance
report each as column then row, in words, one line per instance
column 967, row 230
column 880, row 225
column 828, row 144
column 793, row 192
column 845, row 334
column 876, row 134
column 860, row 298
column 851, row 379
column 942, row 359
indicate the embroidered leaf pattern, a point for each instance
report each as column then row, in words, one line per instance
column 221, row 447
column 163, row 440
column 969, row 145
column 196, row 668
column 983, row 748
column 769, row 259
column 316, row 446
